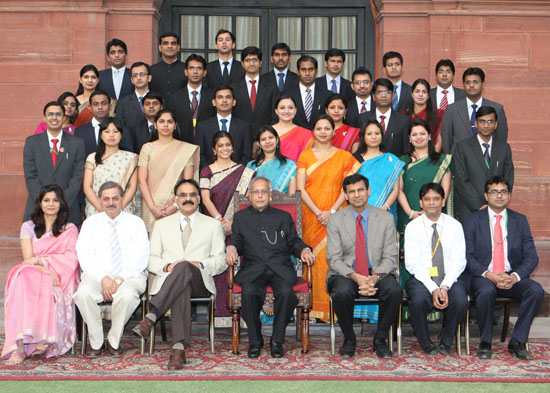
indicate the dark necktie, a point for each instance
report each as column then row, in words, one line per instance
column 224, row 124
column 308, row 104
column 194, row 104
column 281, row 76
column 437, row 257
column 473, row 119
column 225, row 74
column 151, row 129
column 361, row 259
column 486, row 154
column 54, row 151
column 383, row 124
column 395, row 98
column 253, row 94
column 141, row 103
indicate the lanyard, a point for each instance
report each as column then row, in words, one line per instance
column 493, row 232
column 429, row 240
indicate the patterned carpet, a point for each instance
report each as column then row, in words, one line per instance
column 412, row 365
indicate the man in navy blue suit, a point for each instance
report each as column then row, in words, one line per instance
column 501, row 255
column 116, row 81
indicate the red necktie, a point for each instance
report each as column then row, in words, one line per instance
column 383, row 123
column 54, row 151
column 361, row 259
column 194, row 104
column 253, row 94
column 444, row 101
column 498, row 247
column 363, row 107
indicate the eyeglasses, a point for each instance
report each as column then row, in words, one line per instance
column 251, row 60
column 383, row 92
column 141, row 74
column 259, row 192
column 396, row 64
column 474, row 82
column 496, row 192
column 54, row 114
column 486, row 122
column 363, row 82
column 185, row 195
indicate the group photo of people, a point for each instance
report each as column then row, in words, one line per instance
column 404, row 190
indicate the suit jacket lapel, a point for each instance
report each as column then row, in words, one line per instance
column 512, row 226
column 372, row 236
column 463, row 110
column 63, row 151
column 485, row 228
column 476, row 149
column 242, row 89
column 44, row 148
column 349, row 220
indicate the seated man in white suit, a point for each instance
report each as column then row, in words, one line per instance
column 187, row 250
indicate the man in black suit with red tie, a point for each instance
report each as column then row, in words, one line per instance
column 395, row 125
column 281, row 76
column 361, row 83
column 332, row 80
column 310, row 98
column 255, row 96
column 239, row 130
column 225, row 70
column 501, row 255
column 445, row 93
column 116, row 81
column 393, row 67
column 193, row 103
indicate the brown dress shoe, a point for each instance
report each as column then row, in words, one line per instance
column 116, row 353
column 143, row 329
column 95, row 353
column 177, row 359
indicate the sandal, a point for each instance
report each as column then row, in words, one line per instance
column 15, row 359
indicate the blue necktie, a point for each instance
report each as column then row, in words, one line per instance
column 473, row 119
column 395, row 98
column 281, row 76
column 334, row 88
column 224, row 124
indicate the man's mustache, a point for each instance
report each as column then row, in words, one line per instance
column 188, row 202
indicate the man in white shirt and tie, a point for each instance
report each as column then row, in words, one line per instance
column 116, row 80
column 129, row 108
column 113, row 251
column 333, row 80
column 281, row 76
column 393, row 68
column 361, row 83
column 435, row 256
column 445, row 93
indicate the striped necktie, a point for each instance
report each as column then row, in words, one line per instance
column 309, row 104
column 116, row 252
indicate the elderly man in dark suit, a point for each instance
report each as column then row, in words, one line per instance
column 445, row 93
column 477, row 159
column 501, row 255
column 281, row 76
column 116, row 80
column 459, row 121
column 54, row 157
column 266, row 238
column 362, row 259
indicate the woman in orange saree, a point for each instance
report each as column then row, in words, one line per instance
column 321, row 171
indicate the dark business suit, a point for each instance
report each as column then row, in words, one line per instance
column 459, row 94
column 456, row 126
column 345, row 87
column 106, row 83
column 68, row 172
column 405, row 98
column 264, row 110
column 87, row 134
column 128, row 111
column 140, row 135
column 523, row 259
column 320, row 96
column 240, row 134
column 180, row 104
column 471, row 172
column 266, row 240
column 292, row 79
column 352, row 114
column 396, row 137
column 214, row 76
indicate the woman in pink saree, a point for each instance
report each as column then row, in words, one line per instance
column 39, row 315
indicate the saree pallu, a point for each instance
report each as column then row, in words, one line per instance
column 43, row 127
column 294, row 142
column 324, row 185
column 278, row 174
column 36, row 311
column 345, row 136
column 165, row 167
column 222, row 186
column 119, row 168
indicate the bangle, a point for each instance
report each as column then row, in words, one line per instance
column 332, row 211
column 411, row 216
column 218, row 216
column 385, row 204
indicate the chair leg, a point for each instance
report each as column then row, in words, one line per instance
column 152, row 340
column 163, row 329
column 467, row 328
column 236, row 330
column 390, row 338
column 211, row 324
column 84, row 339
column 399, row 322
column 299, row 322
column 458, row 340
column 506, row 322
column 305, row 330
column 332, row 332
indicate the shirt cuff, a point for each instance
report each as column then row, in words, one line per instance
column 517, row 275
column 484, row 274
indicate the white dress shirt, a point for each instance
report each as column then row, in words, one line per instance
column 93, row 246
column 386, row 119
column 249, row 85
column 95, row 124
column 479, row 103
column 228, row 118
column 140, row 95
column 439, row 95
column 418, row 249
column 338, row 79
column 190, row 91
column 222, row 66
column 58, row 137
column 118, row 76
column 183, row 223
column 360, row 105
column 481, row 142
column 303, row 93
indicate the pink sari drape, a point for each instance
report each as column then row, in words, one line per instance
column 36, row 311
column 294, row 142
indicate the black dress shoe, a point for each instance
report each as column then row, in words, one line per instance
column 519, row 350
column 95, row 353
column 484, row 351
column 255, row 350
column 444, row 349
column 276, row 349
column 431, row 350
column 382, row 350
column 348, row 349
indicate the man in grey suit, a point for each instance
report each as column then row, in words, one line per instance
column 459, row 120
column 362, row 258
column 479, row 158
column 445, row 93
column 54, row 157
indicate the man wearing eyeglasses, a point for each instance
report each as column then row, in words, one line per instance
column 501, row 255
column 361, row 84
column 459, row 121
column 187, row 250
column 129, row 108
column 477, row 159
column 266, row 238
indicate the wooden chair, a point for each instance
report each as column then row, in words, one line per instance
column 302, row 288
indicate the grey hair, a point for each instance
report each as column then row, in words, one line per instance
column 254, row 180
column 107, row 186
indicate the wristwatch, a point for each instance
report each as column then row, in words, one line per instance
column 118, row 281
column 201, row 265
column 445, row 287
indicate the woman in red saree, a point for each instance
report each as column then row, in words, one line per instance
column 321, row 172
column 345, row 137
column 39, row 308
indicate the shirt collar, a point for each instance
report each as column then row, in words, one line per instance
column 387, row 114
column 303, row 88
column 58, row 137
column 138, row 95
column 276, row 71
column 439, row 89
column 118, row 219
column 221, row 117
column 121, row 70
column 95, row 123
column 479, row 102
column 248, row 79
column 492, row 213
column 256, row 211
column 190, row 89
column 399, row 83
column 330, row 78
column 364, row 213
column 222, row 65
column 429, row 223
column 481, row 141
column 192, row 218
